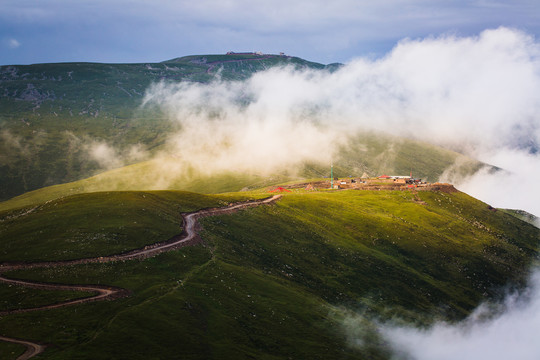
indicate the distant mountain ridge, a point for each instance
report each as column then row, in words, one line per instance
column 49, row 113
column 46, row 109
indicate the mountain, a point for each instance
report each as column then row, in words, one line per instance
column 275, row 281
column 53, row 116
column 308, row 275
column 48, row 111
column 365, row 154
column 524, row 215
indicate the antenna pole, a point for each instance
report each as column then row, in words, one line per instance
column 331, row 175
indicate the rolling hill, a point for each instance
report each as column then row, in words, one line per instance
column 53, row 116
column 365, row 154
column 276, row 281
column 49, row 111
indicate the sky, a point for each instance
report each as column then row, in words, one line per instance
column 121, row 31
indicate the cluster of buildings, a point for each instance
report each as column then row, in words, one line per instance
column 258, row 53
column 383, row 180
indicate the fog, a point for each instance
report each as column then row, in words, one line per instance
column 104, row 154
column 512, row 334
column 476, row 95
column 261, row 125
column 514, row 188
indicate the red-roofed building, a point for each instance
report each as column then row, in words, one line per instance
column 279, row 189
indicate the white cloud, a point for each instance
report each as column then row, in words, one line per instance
column 109, row 157
column 221, row 132
column 474, row 94
column 104, row 154
column 13, row 43
column 514, row 188
column 510, row 335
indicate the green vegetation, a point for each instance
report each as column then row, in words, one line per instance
column 365, row 153
column 143, row 176
column 10, row 351
column 378, row 154
column 454, row 248
column 523, row 215
column 19, row 297
column 51, row 113
column 269, row 280
column 98, row 224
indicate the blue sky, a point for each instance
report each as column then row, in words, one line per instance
column 36, row 31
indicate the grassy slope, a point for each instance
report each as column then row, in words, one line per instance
column 19, row 297
column 11, row 351
column 523, row 215
column 47, row 111
column 452, row 248
column 377, row 154
column 98, row 224
column 374, row 154
column 147, row 175
column 268, row 280
column 45, row 107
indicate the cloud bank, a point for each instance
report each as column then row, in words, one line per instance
column 511, row 335
column 261, row 125
column 103, row 154
column 477, row 95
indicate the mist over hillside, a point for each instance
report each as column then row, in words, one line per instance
column 268, row 113
column 474, row 95
column 65, row 122
column 324, row 264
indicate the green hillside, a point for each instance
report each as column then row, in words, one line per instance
column 98, row 224
column 523, row 215
column 272, row 282
column 374, row 154
column 51, row 113
column 276, row 281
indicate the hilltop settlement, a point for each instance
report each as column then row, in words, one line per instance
column 383, row 182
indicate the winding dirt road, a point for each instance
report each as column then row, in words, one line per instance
column 32, row 349
column 187, row 237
